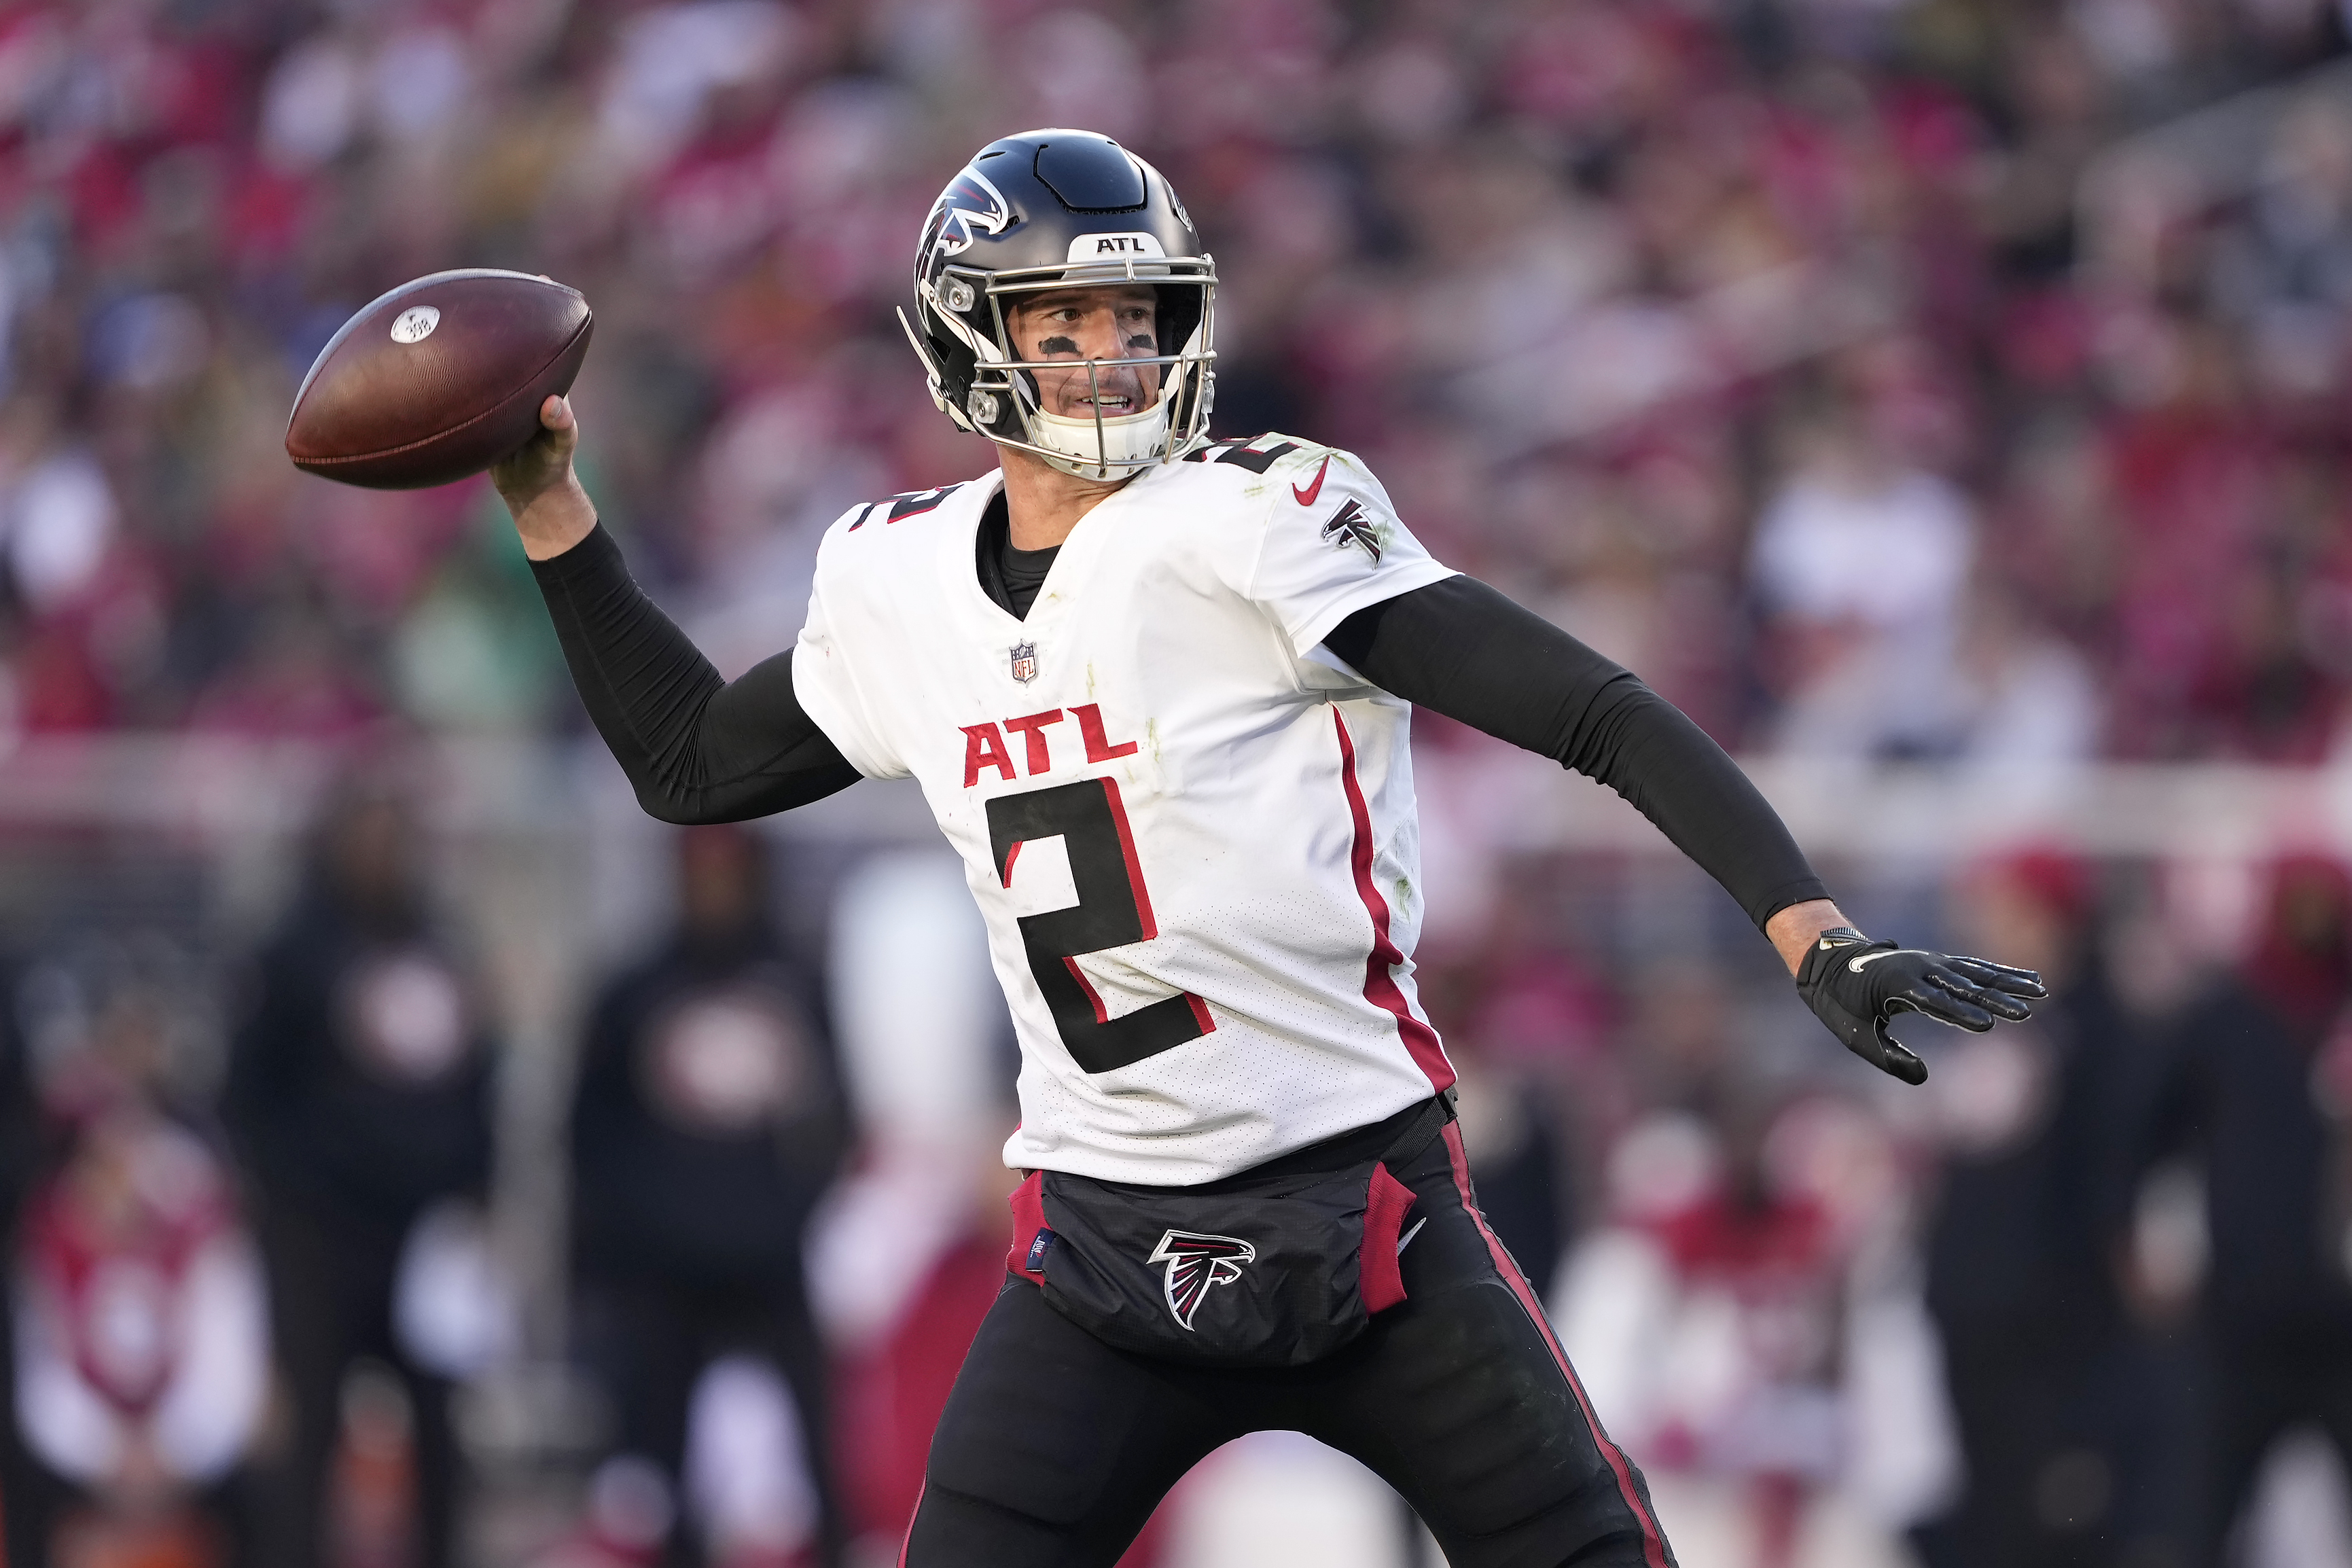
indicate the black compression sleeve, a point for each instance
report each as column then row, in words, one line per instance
column 697, row 748
column 1463, row 650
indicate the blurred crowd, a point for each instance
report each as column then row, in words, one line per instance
column 1822, row 359
column 1954, row 379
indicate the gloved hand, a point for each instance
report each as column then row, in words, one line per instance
column 1854, row 986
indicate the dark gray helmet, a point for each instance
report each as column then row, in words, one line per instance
column 1060, row 209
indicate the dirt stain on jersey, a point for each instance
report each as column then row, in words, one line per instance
column 1404, row 892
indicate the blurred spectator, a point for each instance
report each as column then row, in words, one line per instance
column 2021, row 695
column 707, row 1122
column 2256, row 1085
column 2055, row 1407
column 2053, row 88
column 2287, row 272
column 1710, row 1318
column 359, row 1090
column 141, row 1318
column 1860, row 563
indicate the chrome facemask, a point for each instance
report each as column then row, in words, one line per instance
column 1002, row 401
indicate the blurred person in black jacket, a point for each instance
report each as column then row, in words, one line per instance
column 708, row 1120
column 2255, row 1083
column 359, row 1094
column 19, row 1158
column 2045, row 1380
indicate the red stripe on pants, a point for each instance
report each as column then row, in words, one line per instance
column 1653, row 1540
column 907, row 1539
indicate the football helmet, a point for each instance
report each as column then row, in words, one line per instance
column 1061, row 209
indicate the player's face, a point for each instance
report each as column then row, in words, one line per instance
column 1114, row 322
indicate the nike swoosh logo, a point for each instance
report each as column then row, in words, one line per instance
column 1407, row 1239
column 1306, row 497
column 1858, row 965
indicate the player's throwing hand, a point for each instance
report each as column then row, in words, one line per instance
column 551, row 511
column 1856, row 986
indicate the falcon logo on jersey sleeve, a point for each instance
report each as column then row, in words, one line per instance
column 1194, row 1263
column 1349, row 526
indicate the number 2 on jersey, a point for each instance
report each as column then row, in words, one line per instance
column 1113, row 910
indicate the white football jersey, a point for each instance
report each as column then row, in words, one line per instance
column 1190, row 830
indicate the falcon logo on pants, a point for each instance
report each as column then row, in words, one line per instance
column 1194, row 1263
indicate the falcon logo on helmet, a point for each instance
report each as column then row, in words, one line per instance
column 1194, row 1263
column 1064, row 209
column 969, row 202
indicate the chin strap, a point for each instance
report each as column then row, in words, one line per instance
column 1101, row 447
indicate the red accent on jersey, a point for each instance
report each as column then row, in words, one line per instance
column 1381, row 1276
column 1034, row 729
column 1127, row 847
column 1381, row 988
column 1306, row 497
column 1011, row 856
column 1098, row 746
column 1028, row 1219
column 914, row 503
column 1102, row 1014
column 983, row 747
column 1653, row 1542
column 1094, row 997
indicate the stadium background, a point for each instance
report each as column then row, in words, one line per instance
column 1945, row 401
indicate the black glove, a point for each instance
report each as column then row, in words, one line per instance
column 1854, row 986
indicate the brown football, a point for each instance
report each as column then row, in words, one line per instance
column 438, row 379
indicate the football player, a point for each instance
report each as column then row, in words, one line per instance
column 1156, row 690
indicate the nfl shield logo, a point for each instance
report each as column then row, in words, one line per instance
column 1025, row 662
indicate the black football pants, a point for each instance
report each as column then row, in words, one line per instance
column 1054, row 1447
